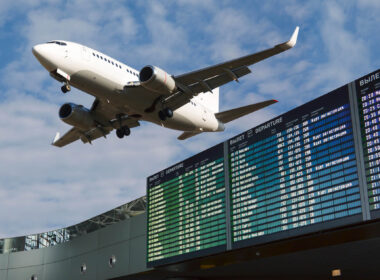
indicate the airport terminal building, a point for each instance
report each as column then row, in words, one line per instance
column 297, row 197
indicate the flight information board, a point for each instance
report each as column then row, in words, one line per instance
column 297, row 170
column 368, row 97
column 186, row 209
column 316, row 167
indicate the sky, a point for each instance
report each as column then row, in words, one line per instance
column 44, row 188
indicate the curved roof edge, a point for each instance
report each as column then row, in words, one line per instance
column 54, row 237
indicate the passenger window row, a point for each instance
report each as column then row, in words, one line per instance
column 114, row 63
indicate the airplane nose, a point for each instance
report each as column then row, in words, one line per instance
column 36, row 50
column 43, row 55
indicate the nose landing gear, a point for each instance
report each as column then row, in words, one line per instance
column 65, row 88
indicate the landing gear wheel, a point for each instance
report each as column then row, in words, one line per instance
column 65, row 88
column 120, row 133
column 162, row 115
column 168, row 112
column 123, row 131
column 126, row 130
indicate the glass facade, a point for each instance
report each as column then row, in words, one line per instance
column 51, row 238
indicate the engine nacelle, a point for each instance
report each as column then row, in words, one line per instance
column 156, row 79
column 76, row 115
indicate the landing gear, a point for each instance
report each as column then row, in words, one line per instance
column 65, row 88
column 126, row 130
column 161, row 115
column 165, row 113
column 119, row 133
column 123, row 131
column 168, row 112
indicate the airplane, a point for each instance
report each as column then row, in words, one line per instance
column 124, row 96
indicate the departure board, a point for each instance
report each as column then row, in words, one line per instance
column 368, row 96
column 295, row 174
column 186, row 209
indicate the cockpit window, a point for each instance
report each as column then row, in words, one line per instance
column 58, row 43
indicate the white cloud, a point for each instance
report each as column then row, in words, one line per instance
column 166, row 42
column 300, row 11
column 52, row 22
column 231, row 31
column 367, row 22
column 347, row 53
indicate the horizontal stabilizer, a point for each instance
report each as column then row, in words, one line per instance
column 230, row 115
column 69, row 137
column 188, row 134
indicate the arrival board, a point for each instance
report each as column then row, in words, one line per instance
column 297, row 171
column 186, row 209
column 368, row 95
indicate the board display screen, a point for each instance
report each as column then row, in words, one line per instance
column 296, row 171
column 368, row 96
column 314, row 168
column 186, row 209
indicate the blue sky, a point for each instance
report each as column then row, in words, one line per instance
column 43, row 187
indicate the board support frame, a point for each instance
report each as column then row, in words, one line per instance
column 359, row 151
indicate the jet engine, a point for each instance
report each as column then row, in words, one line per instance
column 157, row 80
column 76, row 115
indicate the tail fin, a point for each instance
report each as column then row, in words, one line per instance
column 230, row 115
column 209, row 100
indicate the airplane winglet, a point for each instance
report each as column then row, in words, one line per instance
column 57, row 135
column 292, row 42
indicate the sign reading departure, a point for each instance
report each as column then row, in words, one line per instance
column 368, row 95
column 186, row 209
column 295, row 171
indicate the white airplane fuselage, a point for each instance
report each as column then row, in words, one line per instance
column 106, row 78
column 124, row 97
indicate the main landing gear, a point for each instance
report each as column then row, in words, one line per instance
column 123, row 131
column 65, row 88
column 166, row 113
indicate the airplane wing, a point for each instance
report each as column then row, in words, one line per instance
column 75, row 134
column 106, row 122
column 206, row 79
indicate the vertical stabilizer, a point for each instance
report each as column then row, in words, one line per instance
column 209, row 100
